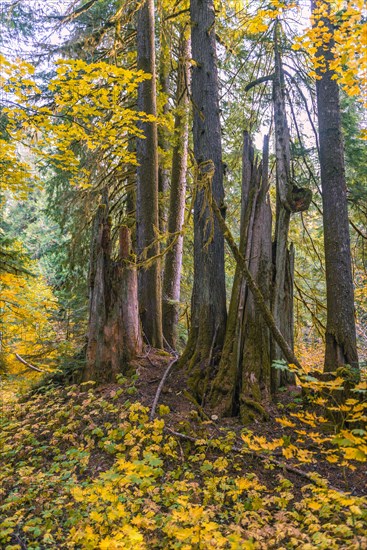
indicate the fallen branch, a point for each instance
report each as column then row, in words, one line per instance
column 160, row 387
column 182, row 436
column 278, row 463
column 24, row 362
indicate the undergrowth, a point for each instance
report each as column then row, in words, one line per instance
column 85, row 468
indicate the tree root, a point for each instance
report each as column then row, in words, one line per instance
column 256, row 406
column 197, row 405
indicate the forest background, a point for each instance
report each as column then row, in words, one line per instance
column 47, row 218
column 166, row 197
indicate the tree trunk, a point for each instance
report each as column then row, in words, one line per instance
column 290, row 199
column 114, row 336
column 341, row 345
column 126, row 304
column 130, row 183
column 163, row 141
column 208, row 305
column 172, row 273
column 147, row 218
column 256, row 292
column 282, row 294
column 242, row 384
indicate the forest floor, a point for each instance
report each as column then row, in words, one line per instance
column 286, row 404
column 85, row 467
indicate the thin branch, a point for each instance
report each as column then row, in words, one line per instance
column 265, row 458
column 260, row 80
column 176, row 14
column 79, row 11
column 363, row 235
column 24, row 362
column 312, row 243
column 160, row 387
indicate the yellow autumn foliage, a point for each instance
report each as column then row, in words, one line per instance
column 26, row 305
column 91, row 107
column 92, row 471
column 345, row 24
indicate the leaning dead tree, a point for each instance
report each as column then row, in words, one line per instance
column 114, row 334
column 289, row 199
column 242, row 384
column 260, row 323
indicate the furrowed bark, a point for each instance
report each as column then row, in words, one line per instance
column 209, row 297
column 258, row 297
column 163, row 141
column 114, row 335
column 242, row 385
column 341, row 347
column 147, row 214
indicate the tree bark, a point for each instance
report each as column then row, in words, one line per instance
column 259, row 299
column 126, row 305
column 147, row 213
column 163, row 141
column 341, row 345
column 242, row 384
column 173, row 264
column 290, row 199
column 114, row 335
column 208, row 305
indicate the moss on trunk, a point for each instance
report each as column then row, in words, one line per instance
column 242, row 383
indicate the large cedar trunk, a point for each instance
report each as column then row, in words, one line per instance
column 341, row 345
column 242, row 385
column 172, row 272
column 114, row 336
column 208, row 306
column 147, row 218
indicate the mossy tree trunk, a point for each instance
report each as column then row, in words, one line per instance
column 242, row 384
column 208, row 305
column 147, row 212
column 340, row 337
column 173, row 263
column 114, row 335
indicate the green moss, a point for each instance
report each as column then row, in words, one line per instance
column 250, row 409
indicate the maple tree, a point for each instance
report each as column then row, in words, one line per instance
column 27, row 325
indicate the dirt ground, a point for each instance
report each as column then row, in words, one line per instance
column 183, row 411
